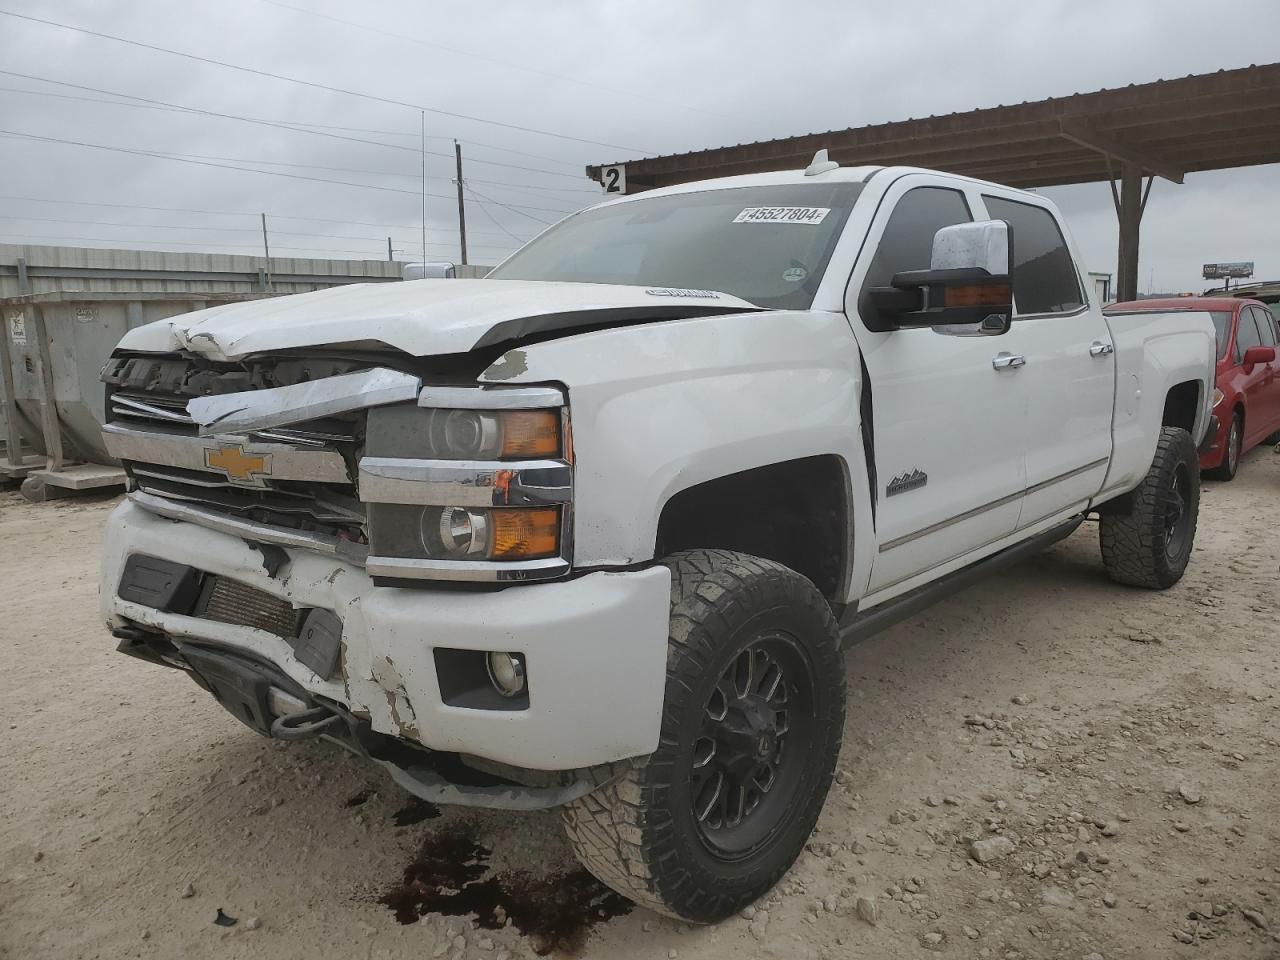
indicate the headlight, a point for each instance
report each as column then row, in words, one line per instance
column 405, row 431
column 464, row 533
column 1217, row 396
column 477, row 488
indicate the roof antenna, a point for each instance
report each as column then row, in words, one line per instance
column 820, row 164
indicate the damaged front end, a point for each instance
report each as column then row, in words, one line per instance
column 269, row 701
column 324, row 546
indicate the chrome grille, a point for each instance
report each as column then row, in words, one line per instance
column 231, row 601
column 307, row 483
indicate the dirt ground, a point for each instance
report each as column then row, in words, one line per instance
column 1117, row 752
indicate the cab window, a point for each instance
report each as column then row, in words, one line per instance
column 907, row 241
column 1044, row 275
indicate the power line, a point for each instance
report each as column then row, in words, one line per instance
column 312, row 83
column 271, row 173
column 505, row 63
column 215, row 213
column 514, row 208
column 492, row 218
column 295, row 125
column 281, row 125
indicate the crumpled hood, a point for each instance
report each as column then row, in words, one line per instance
column 420, row 317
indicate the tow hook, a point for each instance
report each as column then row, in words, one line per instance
column 300, row 726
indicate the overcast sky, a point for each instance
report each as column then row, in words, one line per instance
column 628, row 79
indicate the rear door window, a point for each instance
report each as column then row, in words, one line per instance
column 1044, row 275
column 1266, row 326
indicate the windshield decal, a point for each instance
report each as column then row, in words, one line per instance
column 681, row 292
column 794, row 274
column 807, row 215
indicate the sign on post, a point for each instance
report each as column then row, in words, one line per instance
column 1222, row 271
column 614, row 179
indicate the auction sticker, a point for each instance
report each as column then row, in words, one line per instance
column 809, row 215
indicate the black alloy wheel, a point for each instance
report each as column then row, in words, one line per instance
column 753, row 745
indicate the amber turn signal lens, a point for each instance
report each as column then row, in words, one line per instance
column 979, row 295
column 525, row 533
column 531, row 433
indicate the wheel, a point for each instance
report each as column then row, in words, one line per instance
column 1231, row 456
column 751, row 729
column 1148, row 543
column 34, row 489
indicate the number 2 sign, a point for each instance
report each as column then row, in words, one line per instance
column 614, row 179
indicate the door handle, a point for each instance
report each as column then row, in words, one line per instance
column 1008, row 361
column 1100, row 349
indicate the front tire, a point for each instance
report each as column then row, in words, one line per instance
column 751, row 728
column 1148, row 544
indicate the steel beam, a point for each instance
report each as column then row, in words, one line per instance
column 1077, row 131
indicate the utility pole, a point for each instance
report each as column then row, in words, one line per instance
column 390, row 255
column 266, row 249
column 462, row 211
column 423, row 119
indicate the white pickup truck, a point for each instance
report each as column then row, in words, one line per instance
column 593, row 532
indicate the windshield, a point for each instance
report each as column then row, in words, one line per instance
column 768, row 245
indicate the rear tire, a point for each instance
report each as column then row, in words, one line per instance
column 1231, row 456
column 751, row 728
column 1149, row 543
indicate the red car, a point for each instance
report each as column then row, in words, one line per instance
column 1247, row 399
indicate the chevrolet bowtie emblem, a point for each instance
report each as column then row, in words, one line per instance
column 240, row 467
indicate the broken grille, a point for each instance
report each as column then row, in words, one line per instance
column 230, row 601
column 149, row 395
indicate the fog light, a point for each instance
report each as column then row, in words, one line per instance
column 506, row 673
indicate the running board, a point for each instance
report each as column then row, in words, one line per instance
column 858, row 626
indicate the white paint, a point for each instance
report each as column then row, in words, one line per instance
column 595, row 646
column 420, row 317
column 659, row 408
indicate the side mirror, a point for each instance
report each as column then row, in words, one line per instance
column 967, row 289
column 1256, row 355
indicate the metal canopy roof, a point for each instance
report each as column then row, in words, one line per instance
column 1168, row 128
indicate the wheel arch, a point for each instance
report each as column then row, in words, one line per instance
column 795, row 512
column 1182, row 403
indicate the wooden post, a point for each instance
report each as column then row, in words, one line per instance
column 48, row 398
column 462, row 210
column 1130, row 216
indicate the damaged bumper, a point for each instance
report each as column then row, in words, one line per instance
column 594, row 647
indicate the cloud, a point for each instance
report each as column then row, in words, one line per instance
column 670, row 77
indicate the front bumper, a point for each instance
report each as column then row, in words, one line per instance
column 1214, row 445
column 595, row 647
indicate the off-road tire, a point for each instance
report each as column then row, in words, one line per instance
column 1136, row 547
column 640, row 834
column 1231, row 455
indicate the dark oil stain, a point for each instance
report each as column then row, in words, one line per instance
column 415, row 811
column 357, row 798
column 451, row 877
